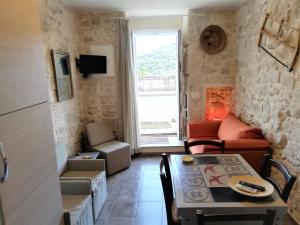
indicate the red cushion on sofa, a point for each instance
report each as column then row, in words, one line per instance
column 199, row 149
column 232, row 129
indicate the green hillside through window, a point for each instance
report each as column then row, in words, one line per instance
column 162, row 61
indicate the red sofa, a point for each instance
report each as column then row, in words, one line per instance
column 239, row 139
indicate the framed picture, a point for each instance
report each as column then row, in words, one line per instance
column 62, row 73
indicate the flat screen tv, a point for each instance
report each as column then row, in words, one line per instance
column 92, row 64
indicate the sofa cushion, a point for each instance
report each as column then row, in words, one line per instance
column 203, row 129
column 99, row 132
column 246, row 144
column 199, row 149
column 95, row 176
column 232, row 129
column 203, row 138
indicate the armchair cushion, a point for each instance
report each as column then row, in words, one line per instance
column 86, row 165
column 78, row 209
column 95, row 177
column 232, row 128
column 77, row 201
column 99, row 132
column 75, row 187
column 110, row 147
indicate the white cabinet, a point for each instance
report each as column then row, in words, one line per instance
column 31, row 194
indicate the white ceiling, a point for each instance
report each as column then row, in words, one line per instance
column 150, row 7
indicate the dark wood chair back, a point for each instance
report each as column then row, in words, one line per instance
column 220, row 144
column 290, row 179
column 166, row 181
column 267, row 218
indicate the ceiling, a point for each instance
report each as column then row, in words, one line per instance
column 150, row 7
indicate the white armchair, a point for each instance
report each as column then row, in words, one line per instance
column 92, row 170
column 99, row 137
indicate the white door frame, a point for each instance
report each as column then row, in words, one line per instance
column 157, row 32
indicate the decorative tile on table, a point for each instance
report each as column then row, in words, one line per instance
column 214, row 175
column 204, row 160
column 228, row 159
column 236, row 170
column 193, row 181
column 233, row 165
column 191, row 169
column 200, row 194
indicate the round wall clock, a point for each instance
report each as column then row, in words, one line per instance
column 213, row 39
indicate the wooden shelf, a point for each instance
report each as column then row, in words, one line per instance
column 294, row 50
column 272, row 36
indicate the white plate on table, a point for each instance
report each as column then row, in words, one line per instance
column 254, row 180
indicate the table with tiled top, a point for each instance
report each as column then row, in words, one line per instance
column 203, row 185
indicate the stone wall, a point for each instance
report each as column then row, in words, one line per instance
column 267, row 95
column 101, row 93
column 60, row 33
column 206, row 70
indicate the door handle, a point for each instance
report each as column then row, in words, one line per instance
column 3, row 164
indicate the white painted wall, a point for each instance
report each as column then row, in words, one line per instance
column 154, row 23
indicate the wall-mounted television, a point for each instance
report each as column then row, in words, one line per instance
column 92, row 64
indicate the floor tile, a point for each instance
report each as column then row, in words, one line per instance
column 151, row 195
column 151, row 174
column 124, row 208
column 128, row 194
column 119, row 221
column 133, row 186
column 149, row 209
column 151, row 183
column 106, row 210
column 151, row 166
column 142, row 220
column 101, row 221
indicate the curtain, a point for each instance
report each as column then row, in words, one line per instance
column 128, row 87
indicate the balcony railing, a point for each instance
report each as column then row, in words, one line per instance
column 157, row 83
column 157, row 104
